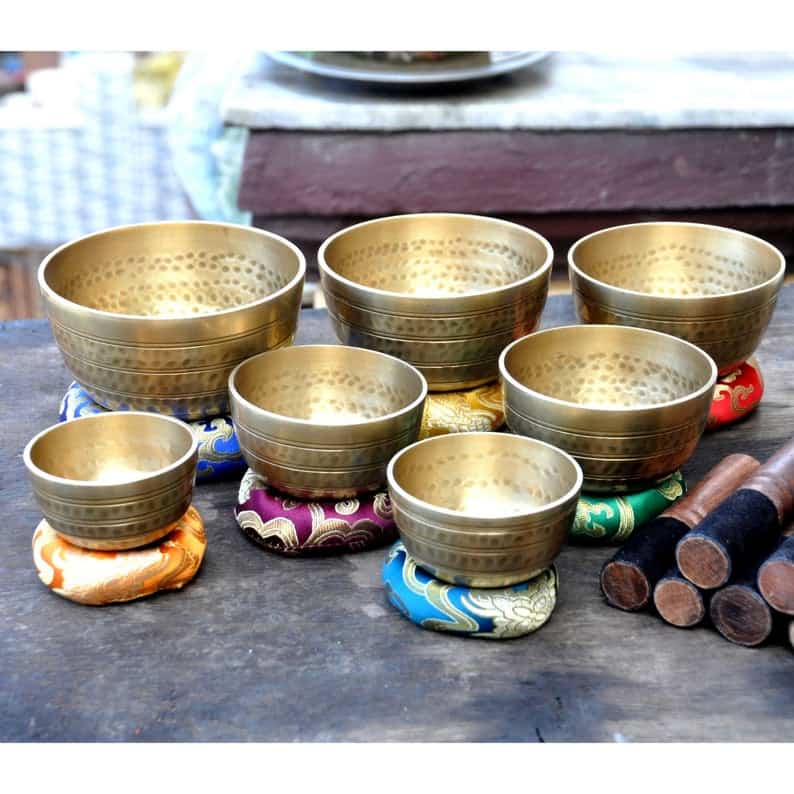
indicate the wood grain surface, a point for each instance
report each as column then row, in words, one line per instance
column 261, row 647
column 515, row 171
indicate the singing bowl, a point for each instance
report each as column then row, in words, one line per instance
column 628, row 403
column 155, row 316
column 113, row 481
column 714, row 287
column 443, row 291
column 322, row 421
column 483, row 509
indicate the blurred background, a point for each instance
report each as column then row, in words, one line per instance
column 305, row 143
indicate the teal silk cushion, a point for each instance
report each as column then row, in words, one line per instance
column 601, row 518
column 497, row 614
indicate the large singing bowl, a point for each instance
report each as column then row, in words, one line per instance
column 442, row 291
column 155, row 316
column 628, row 403
column 714, row 287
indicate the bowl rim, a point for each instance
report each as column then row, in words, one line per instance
column 673, row 298
column 295, row 421
column 56, row 480
column 326, row 269
column 65, row 303
column 446, row 511
column 630, row 410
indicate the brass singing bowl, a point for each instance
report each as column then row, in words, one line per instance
column 113, row 481
column 628, row 403
column 155, row 316
column 483, row 509
column 443, row 291
column 322, row 421
column 714, row 287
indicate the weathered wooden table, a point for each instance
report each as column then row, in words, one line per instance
column 260, row 647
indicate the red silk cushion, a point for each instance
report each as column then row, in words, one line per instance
column 736, row 394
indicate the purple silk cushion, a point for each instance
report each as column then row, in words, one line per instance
column 291, row 526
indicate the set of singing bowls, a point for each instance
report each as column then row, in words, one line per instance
column 322, row 421
column 155, row 316
column 113, row 481
column 443, row 291
column 483, row 509
column 714, row 287
column 629, row 404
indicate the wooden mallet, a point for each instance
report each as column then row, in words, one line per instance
column 628, row 579
column 742, row 526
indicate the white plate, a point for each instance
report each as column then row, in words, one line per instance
column 348, row 67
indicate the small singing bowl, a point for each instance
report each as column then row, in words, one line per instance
column 483, row 509
column 155, row 316
column 113, row 481
column 445, row 292
column 322, row 421
column 628, row 403
column 714, row 287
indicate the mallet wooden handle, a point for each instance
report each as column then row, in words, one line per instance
column 678, row 601
column 775, row 479
column 776, row 578
column 718, row 484
column 739, row 611
column 628, row 579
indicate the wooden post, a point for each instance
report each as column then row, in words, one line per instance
column 743, row 526
column 776, row 578
column 628, row 579
column 678, row 601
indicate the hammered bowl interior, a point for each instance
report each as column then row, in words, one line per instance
column 607, row 367
column 435, row 255
column 121, row 449
column 327, row 385
column 677, row 260
column 171, row 270
column 484, row 474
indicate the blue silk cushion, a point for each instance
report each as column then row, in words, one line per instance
column 499, row 613
column 219, row 453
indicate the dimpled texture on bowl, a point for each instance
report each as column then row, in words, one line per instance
column 113, row 481
column 445, row 292
column 713, row 286
column 628, row 403
column 483, row 509
column 322, row 421
column 155, row 316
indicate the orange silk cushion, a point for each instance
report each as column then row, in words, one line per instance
column 106, row 577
